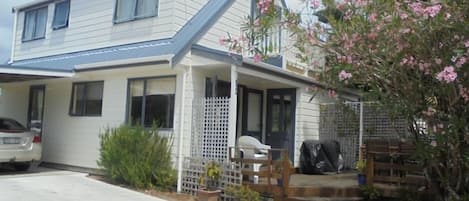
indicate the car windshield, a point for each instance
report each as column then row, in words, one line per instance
column 10, row 124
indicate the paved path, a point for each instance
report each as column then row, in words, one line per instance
column 52, row 185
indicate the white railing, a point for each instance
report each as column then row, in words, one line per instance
column 270, row 43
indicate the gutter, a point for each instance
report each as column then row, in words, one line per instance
column 31, row 4
column 267, row 68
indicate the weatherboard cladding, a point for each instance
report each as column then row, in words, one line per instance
column 178, row 46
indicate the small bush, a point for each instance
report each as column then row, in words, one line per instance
column 243, row 193
column 370, row 193
column 137, row 157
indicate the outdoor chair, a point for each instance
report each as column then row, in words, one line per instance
column 251, row 148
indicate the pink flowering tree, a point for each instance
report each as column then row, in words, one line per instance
column 410, row 55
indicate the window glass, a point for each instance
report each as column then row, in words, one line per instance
column 62, row 10
column 152, row 102
column 9, row 124
column 136, row 98
column 30, row 18
column 87, row 99
column 35, row 24
column 146, row 8
column 127, row 10
column 94, row 98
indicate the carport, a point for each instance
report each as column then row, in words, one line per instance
column 10, row 73
column 34, row 107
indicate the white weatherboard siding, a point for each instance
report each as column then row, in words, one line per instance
column 230, row 22
column 75, row 140
column 14, row 102
column 307, row 120
column 91, row 26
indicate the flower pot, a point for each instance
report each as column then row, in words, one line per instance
column 208, row 195
column 361, row 179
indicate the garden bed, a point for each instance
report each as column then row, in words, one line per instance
column 167, row 195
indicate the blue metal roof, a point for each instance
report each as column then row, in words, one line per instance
column 70, row 60
column 178, row 46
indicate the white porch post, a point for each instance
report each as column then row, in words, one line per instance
column 360, row 137
column 233, row 107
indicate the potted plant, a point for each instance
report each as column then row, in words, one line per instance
column 361, row 165
column 208, row 190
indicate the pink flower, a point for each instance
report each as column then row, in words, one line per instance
column 257, row 58
column 332, row 94
column 466, row 44
column 372, row 35
column 432, row 11
column 461, row 62
column 314, row 3
column 448, row 75
column 447, row 16
column 343, row 75
column 257, row 22
column 438, row 61
column 264, row 5
column 464, row 93
column 403, row 15
column 372, row 17
column 222, row 40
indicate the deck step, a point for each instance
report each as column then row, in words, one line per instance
column 324, row 199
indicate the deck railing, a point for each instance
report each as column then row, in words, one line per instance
column 273, row 175
column 390, row 162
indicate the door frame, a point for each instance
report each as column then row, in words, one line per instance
column 283, row 91
column 31, row 88
column 246, row 92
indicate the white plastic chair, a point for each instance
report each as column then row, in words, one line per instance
column 253, row 150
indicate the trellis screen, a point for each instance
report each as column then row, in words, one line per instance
column 194, row 169
column 210, row 128
column 341, row 122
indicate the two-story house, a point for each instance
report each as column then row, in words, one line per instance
column 80, row 66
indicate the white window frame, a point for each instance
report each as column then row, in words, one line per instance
column 134, row 17
column 55, row 27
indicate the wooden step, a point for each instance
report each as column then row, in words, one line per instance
column 324, row 191
column 324, row 199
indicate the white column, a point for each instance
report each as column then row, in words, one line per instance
column 181, row 130
column 360, row 138
column 233, row 107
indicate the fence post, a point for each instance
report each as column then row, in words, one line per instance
column 360, row 138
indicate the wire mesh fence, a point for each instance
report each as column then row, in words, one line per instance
column 345, row 122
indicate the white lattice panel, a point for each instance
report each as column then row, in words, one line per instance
column 194, row 168
column 210, row 128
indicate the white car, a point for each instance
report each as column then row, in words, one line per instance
column 18, row 146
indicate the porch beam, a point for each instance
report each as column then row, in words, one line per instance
column 233, row 107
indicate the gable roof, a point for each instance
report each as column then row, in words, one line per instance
column 176, row 47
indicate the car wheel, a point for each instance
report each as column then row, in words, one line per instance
column 22, row 166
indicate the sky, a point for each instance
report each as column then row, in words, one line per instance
column 6, row 24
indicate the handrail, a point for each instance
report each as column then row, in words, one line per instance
column 273, row 169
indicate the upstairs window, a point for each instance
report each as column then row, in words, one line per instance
column 62, row 11
column 35, row 24
column 127, row 10
column 87, row 99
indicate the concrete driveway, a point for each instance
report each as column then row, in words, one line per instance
column 53, row 185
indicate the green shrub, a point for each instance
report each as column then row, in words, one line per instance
column 137, row 156
column 370, row 193
column 243, row 193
